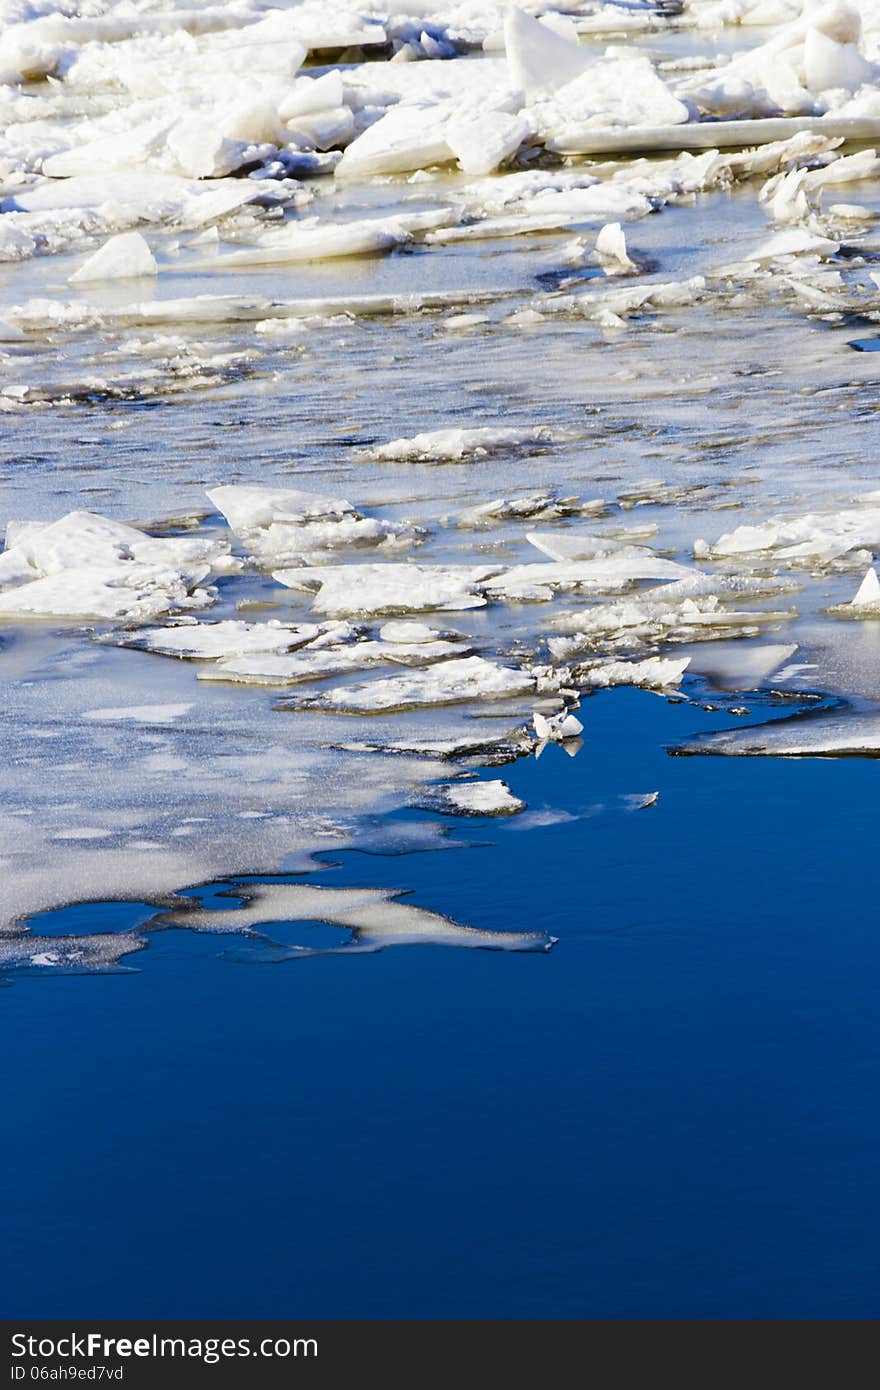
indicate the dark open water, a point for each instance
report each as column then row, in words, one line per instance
column 673, row 1114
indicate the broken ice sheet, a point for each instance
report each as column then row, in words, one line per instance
column 375, row 917
column 824, row 734
column 368, row 590
column 478, row 798
column 310, row 664
column 454, row 445
column 654, row 673
column 87, row 566
column 816, row 539
column 444, row 683
column 284, row 525
column 209, row 641
column 26, row 954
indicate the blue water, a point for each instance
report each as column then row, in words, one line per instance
column 672, row 1114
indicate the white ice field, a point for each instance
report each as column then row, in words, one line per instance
column 375, row 385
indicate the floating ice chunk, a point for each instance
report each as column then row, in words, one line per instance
column 375, row 916
column 787, row 197
column 404, row 632
column 851, row 212
column 314, row 239
column 573, row 545
column 864, row 164
column 210, row 641
column 363, row 590
column 122, row 593
column 654, row 619
column 82, row 538
column 795, row 242
column 610, row 250
column 453, row 445
column 586, row 137
column 283, row 525
column 608, row 573
column 250, row 508
column 541, row 60
column 868, row 591
column 139, row 714
column 516, row 224
column 476, row 799
column 124, row 257
column 488, row 748
column 655, row 673
column 533, row 506
column 446, row 683
column 556, row 728
column 40, row 315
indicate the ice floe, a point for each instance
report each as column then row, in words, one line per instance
column 86, row 566
column 816, row 539
column 375, row 917
column 480, row 798
column 556, row 728
column 283, row 525
column 453, row 445
column 446, row 683
column 367, row 590
column 654, row 673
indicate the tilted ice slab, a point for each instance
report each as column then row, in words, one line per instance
column 364, row 590
column 281, row 525
column 376, row 918
column 480, row 129
column 453, row 445
column 576, row 544
column 123, row 257
column 865, row 602
column 446, row 683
